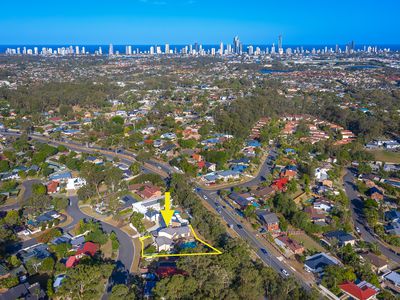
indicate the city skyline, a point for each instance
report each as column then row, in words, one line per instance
column 184, row 21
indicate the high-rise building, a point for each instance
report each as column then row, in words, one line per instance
column 221, row 48
column 128, row 50
column 111, row 50
column 236, row 45
column 151, row 50
column 280, row 42
column 167, row 49
column 251, row 50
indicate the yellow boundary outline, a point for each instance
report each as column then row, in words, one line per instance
column 216, row 251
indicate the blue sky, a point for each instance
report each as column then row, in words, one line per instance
column 209, row 22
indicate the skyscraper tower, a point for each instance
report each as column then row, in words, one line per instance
column 111, row 50
column 236, row 44
column 221, row 48
column 280, row 42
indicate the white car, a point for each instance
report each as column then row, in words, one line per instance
column 205, row 197
column 284, row 272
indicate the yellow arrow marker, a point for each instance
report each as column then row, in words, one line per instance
column 167, row 213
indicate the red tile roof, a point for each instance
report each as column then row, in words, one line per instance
column 88, row 248
column 72, row 261
column 280, row 183
column 364, row 292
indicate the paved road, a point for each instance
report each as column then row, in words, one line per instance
column 27, row 184
column 229, row 217
column 127, row 250
column 213, row 199
column 358, row 218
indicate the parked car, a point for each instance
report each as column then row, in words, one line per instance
column 284, row 272
column 265, row 252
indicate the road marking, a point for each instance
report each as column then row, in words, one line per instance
column 280, row 258
column 292, row 268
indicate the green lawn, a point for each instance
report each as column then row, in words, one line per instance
column 386, row 156
column 307, row 242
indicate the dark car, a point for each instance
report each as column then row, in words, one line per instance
column 265, row 252
column 239, row 226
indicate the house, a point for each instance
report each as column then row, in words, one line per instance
column 94, row 160
column 77, row 241
column 86, row 249
column 75, row 183
column 321, row 174
column 127, row 201
column 60, row 177
column 289, row 151
column 146, row 191
column 163, row 243
column 375, row 194
column 239, row 200
column 71, row 262
column 293, row 246
column 280, row 184
column 166, row 236
column 175, row 232
column 270, row 220
column 39, row 251
column 318, row 262
column 392, row 281
column 24, row 291
column 315, row 215
column 168, row 149
column 228, row 175
column 58, row 281
column 89, row 248
column 149, row 208
column 343, row 238
column 52, row 187
column 393, row 228
column 323, row 204
column 378, row 264
column 264, row 193
column 361, row 291
column 392, row 215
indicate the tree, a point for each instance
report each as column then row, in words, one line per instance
column 4, row 166
column 50, row 290
column 113, row 177
column 121, row 291
column 135, row 168
column 250, row 212
column 61, row 250
column 78, row 285
column 176, row 287
column 60, row 203
column 39, row 203
column 137, row 221
column 47, row 265
column 93, row 174
column 14, row 261
column 335, row 275
column 8, row 282
column 12, row 218
column 38, row 189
